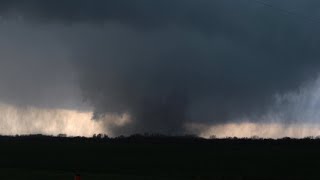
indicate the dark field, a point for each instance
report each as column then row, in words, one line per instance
column 139, row 157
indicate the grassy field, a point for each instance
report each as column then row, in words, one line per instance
column 158, row 158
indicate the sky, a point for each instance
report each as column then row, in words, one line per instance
column 224, row 67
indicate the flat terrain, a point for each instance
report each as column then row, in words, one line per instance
column 139, row 157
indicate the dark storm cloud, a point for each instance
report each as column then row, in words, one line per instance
column 34, row 68
column 171, row 62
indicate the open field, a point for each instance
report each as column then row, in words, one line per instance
column 40, row 157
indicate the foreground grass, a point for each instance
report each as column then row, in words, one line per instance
column 158, row 158
column 35, row 174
